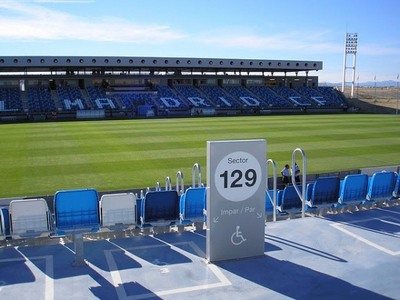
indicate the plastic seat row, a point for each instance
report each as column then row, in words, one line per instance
column 80, row 211
column 354, row 189
column 220, row 98
column 166, row 207
column 74, row 211
column 11, row 99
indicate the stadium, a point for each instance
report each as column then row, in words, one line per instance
column 104, row 87
column 141, row 224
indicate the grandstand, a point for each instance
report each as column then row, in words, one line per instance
column 38, row 88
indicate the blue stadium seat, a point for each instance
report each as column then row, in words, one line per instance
column 192, row 205
column 193, row 96
column 220, row 98
column 11, row 99
column 160, row 207
column 353, row 188
column 269, row 197
column 381, row 186
column 71, row 98
column 290, row 199
column 293, row 96
column 324, row 190
column 4, row 223
column 168, row 99
column 99, row 98
column 76, row 211
column 118, row 209
column 29, row 218
column 335, row 98
column 396, row 192
column 244, row 96
column 40, row 99
column 271, row 98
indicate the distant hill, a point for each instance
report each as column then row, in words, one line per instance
column 387, row 83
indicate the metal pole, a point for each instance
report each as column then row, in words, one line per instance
column 274, row 176
column 353, row 76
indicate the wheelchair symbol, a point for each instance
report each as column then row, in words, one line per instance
column 237, row 237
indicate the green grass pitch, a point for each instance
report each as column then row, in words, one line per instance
column 38, row 159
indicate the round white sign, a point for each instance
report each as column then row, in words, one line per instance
column 238, row 176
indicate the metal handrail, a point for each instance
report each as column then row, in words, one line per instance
column 168, row 183
column 273, row 199
column 180, row 185
column 196, row 169
column 303, row 182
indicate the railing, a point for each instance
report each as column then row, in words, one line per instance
column 180, row 185
column 196, row 170
column 303, row 181
column 168, row 184
column 273, row 199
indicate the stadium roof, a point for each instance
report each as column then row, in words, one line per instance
column 10, row 64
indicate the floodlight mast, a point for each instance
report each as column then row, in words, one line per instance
column 350, row 48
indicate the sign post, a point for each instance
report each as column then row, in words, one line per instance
column 236, row 176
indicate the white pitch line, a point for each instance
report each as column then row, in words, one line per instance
column 49, row 272
column 368, row 242
column 389, row 211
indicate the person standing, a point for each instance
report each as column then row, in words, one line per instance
column 285, row 175
column 296, row 173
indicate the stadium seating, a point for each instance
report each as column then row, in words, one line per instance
column 269, row 198
column 160, row 207
column 353, row 188
column 4, row 223
column 193, row 96
column 219, row 97
column 244, row 96
column 192, row 205
column 396, row 192
column 178, row 98
column 290, row 199
column 324, row 190
column 10, row 99
column 293, row 96
column 271, row 98
column 317, row 99
column 168, row 99
column 335, row 97
column 80, row 211
column 99, row 99
column 40, row 99
column 76, row 211
column 381, row 186
column 29, row 218
column 71, row 98
column 117, row 210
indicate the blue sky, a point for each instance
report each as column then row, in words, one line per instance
column 252, row 29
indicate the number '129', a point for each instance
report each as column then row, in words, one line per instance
column 236, row 179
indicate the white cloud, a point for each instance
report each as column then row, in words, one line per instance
column 24, row 21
